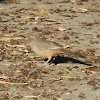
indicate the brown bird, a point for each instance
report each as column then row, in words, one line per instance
column 47, row 49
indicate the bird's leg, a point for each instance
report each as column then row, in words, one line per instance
column 49, row 58
column 52, row 60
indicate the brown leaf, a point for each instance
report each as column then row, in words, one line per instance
column 44, row 72
column 61, row 72
column 79, row 3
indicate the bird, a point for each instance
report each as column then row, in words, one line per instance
column 47, row 49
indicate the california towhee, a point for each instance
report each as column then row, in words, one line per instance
column 47, row 49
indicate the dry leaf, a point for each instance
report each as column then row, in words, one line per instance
column 83, row 10
column 23, row 46
column 8, row 38
column 61, row 29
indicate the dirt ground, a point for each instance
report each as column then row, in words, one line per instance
column 74, row 25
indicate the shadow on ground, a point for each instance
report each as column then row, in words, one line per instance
column 60, row 59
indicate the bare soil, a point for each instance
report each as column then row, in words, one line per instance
column 75, row 25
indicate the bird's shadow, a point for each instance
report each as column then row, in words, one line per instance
column 3, row 0
column 60, row 59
